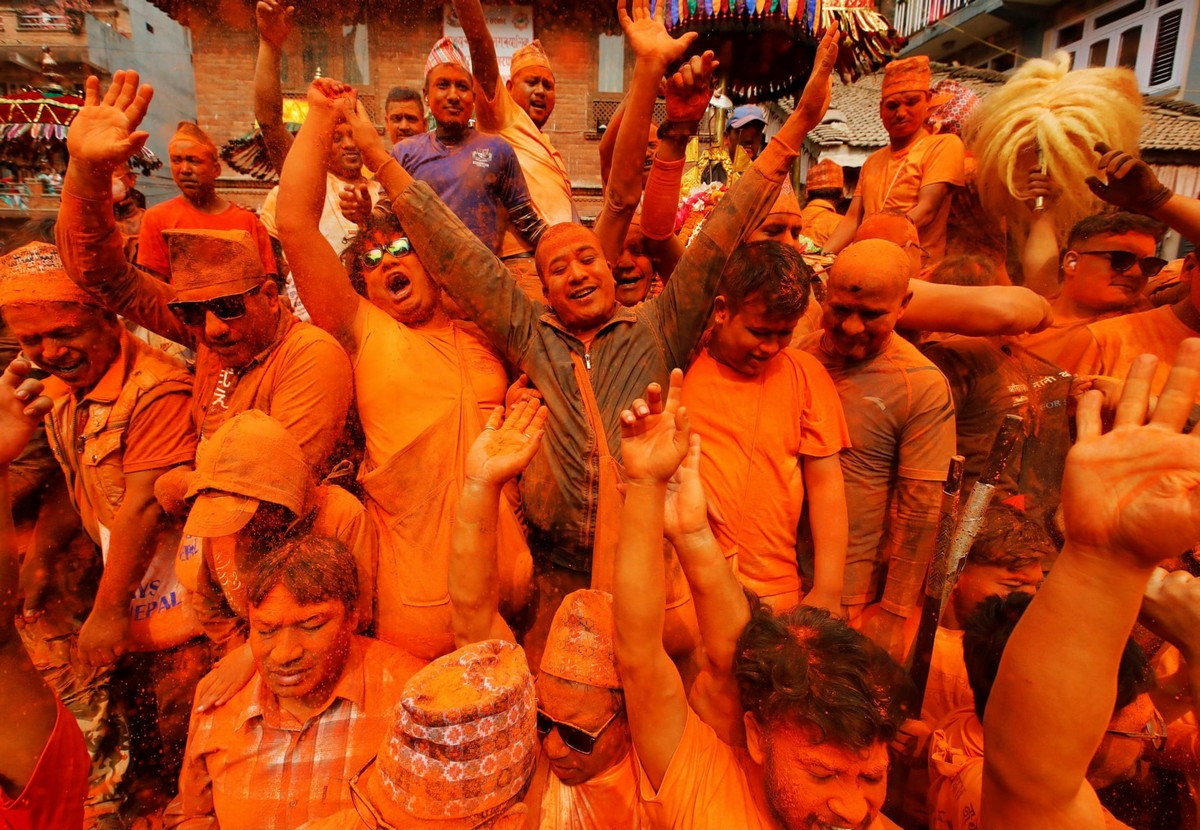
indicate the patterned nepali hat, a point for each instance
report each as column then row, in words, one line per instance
column 580, row 645
column 786, row 201
column 464, row 743
column 34, row 273
column 825, row 175
column 950, row 116
column 531, row 54
column 445, row 51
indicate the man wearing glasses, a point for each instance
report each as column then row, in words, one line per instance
column 251, row 353
column 1107, row 261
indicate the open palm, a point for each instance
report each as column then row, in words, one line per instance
column 508, row 444
column 22, row 407
column 646, row 34
column 105, row 131
column 655, row 433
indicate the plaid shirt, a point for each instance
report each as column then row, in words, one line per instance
column 252, row 766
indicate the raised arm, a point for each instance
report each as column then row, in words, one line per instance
column 843, row 234
column 655, row 50
column 320, row 278
column 29, row 703
column 1129, row 497
column 479, row 41
column 452, row 254
column 274, row 25
column 654, row 440
column 1040, row 255
column 104, row 134
column 501, row 452
column 684, row 305
column 1130, row 184
column 973, row 310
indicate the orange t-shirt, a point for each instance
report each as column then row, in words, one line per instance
column 819, row 220
column 407, row 379
column 947, row 688
column 706, row 786
column 609, row 799
column 893, row 181
column 178, row 213
column 543, row 166
column 1113, row 344
column 754, row 432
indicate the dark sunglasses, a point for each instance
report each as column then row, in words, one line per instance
column 228, row 308
column 574, row 737
column 398, row 247
column 1124, row 260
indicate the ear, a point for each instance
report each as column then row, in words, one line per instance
column 508, row 84
column 1070, row 258
column 754, row 738
column 904, row 303
column 721, row 312
column 270, row 291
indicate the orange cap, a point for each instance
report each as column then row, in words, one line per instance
column 580, row 645
column 531, row 54
column 250, row 459
column 825, row 175
column 907, row 75
column 34, row 273
column 464, row 742
column 207, row 264
column 786, row 201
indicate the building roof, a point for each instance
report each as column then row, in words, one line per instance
column 1170, row 131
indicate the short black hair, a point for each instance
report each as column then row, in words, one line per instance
column 986, row 633
column 964, row 269
column 770, row 270
column 809, row 669
column 404, row 93
column 1116, row 222
column 1007, row 538
column 313, row 568
column 381, row 219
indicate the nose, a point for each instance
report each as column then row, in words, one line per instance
column 850, row 807
column 53, row 349
column 770, row 346
column 554, row 747
column 214, row 326
column 852, row 325
column 286, row 648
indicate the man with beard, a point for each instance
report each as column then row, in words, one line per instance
column 195, row 167
column 251, row 353
column 386, row 311
column 821, row 703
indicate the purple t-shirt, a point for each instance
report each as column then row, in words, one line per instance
column 476, row 179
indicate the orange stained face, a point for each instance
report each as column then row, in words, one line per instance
column 810, row 785
column 450, row 95
column 746, row 339
column 978, row 582
column 785, row 228
column 652, row 142
column 532, row 89
column 749, row 138
column 76, row 343
column 344, row 160
column 904, row 113
column 300, row 650
column 236, row 342
column 1118, row 756
column 404, row 119
column 577, row 281
column 194, row 168
column 634, row 269
column 589, row 708
column 1091, row 280
column 859, row 315
column 400, row 285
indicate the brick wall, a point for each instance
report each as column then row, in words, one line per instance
column 224, row 48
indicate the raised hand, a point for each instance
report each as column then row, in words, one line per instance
column 686, row 510
column 1171, row 609
column 1041, row 186
column 1134, row 493
column 22, row 407
column 366, row 137
column 648, row 37
column 105, row 131
column 689, row 90
column 228, row 676
column 274, row 22
column 507, row 444
column 331, row 94
column 1130, row 185
column 814, row 101
column 655, row 433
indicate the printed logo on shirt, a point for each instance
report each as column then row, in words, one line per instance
column 877, row 401
column 482, row 158
column 225, row 382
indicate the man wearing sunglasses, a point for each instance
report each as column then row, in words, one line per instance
column 1109, row 347
column 251, row 353
column 1107, row 261
column 385, row 309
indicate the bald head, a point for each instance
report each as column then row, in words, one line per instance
column 873, row 266
column 896, row 228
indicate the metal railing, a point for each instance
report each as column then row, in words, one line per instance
column 43, row 22
column 914, row 15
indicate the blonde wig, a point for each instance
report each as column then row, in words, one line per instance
column 1046, row 108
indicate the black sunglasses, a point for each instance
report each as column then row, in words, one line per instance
column 574, row 737
column 1124, row 260
column 225, row 309
column 398, row 247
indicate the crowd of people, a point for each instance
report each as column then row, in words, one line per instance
column 413, row 501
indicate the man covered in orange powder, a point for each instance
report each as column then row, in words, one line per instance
column 251, row 353
column 917, row 172
column 822, row 192
column 820, row 702
column 773, row 428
